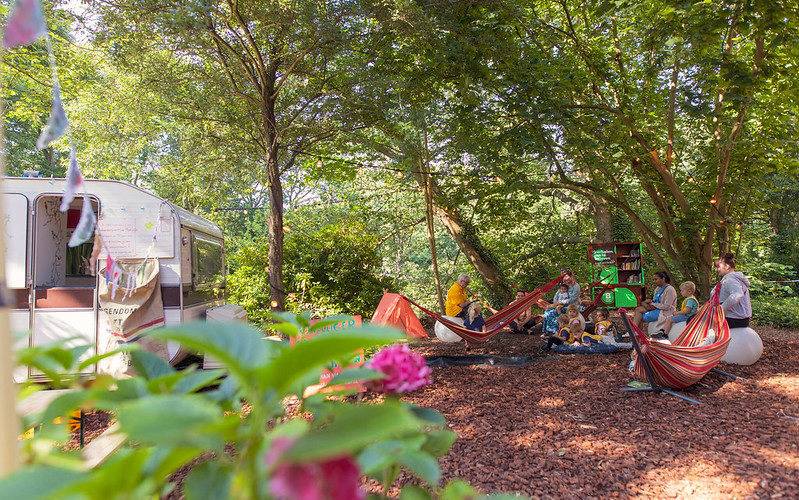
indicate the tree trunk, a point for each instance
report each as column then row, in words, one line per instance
column 603, row 220
column 468, row 242
column 276, row 293
column 431, row 235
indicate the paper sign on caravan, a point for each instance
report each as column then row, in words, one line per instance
column 335, row 368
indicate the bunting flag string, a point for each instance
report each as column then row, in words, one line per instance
column 25, row 24
column 74, row 179
column 57, row 123
column 88, row 221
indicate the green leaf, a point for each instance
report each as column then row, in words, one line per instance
column 227, row 391
column 311, row 354
column 198, row 380
column 672, row 41
column 428, row 415
column 286, row 328
column 320, row 325
column 208, row 481
column 64, row 404
column 75, row 353
column 352, row 428
column 239, row 347
column 458, row 489
column 149, row 365
column 165, row 383
column 97, row 357
column 355, row 375
column 423, row 465
column 379, row 456
column 38, row 482
column 439, row 442
column 168, row 419
column 413, row 492
column 164, row 461
column 121, row 472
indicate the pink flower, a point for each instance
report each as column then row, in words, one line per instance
column 405, row 371
column 335, row 479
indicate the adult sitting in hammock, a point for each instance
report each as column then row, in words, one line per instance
column 456, row 297
column 660, row 307
column 554, row 310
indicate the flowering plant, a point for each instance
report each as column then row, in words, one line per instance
column 403, row 370
column 237, row 427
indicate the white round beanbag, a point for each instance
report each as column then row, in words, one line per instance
column 676, row 330
column 745, row 347
column 444, row 334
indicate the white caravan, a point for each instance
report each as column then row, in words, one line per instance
column 52, row 292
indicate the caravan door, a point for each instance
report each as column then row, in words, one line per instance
column 64, row 291
column 15, row 232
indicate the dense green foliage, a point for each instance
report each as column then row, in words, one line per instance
column 539, row 126
column 335, row 269
column 776, row 311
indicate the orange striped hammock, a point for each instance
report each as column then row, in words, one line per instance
column 497, row 321
column 684, row 362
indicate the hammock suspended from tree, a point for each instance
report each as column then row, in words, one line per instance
column 497, row 321
column 685, row 361
column 591, row 307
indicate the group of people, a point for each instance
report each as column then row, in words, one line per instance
column 563, row 322
column 733, row 294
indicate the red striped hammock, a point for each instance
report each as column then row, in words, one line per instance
column 497, row 321
column 685, row 362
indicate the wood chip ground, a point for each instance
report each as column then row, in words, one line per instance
column 560, row 427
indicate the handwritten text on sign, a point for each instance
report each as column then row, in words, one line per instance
column 335, row 368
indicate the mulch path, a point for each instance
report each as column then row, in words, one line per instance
column 560, row 427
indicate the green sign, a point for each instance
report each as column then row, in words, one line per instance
column 603, row 254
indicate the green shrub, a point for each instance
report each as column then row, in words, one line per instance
column 776, row 311
column 334, row 270
column 170, row 418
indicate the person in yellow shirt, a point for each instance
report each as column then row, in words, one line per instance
column 456, row 297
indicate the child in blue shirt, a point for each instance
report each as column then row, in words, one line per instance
column 563, row 336
column 474, row 319
column 688, row 307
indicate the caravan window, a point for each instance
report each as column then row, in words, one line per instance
column 208, row 262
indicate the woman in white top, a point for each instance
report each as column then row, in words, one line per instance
column 661, row 306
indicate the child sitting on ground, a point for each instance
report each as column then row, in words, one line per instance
column 576, row 328
column 563, row 336
column 605, row 327
column 687, row 309
column 595, row 336
column 474, row 319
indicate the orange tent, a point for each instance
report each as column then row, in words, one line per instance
column 393, row 310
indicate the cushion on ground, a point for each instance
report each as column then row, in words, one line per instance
column 585, row 349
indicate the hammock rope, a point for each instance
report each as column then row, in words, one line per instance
column 497, row 321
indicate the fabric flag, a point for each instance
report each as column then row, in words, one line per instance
column 74, row 179
column 25, row 24
column 58, row 122
column 86, row 224
column 112, row 274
